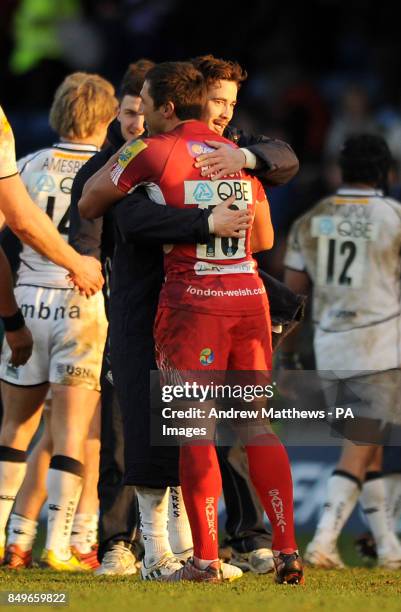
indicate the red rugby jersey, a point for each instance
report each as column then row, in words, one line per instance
column 219, row 277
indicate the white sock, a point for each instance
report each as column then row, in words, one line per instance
column 392, row 485
column 153, row 507
column 179, row 530
column 343, row 491
column 203, row 563
column 22, row 532
column 84, row 532
column 64, row 490
column 12, row 474
column 374, row 503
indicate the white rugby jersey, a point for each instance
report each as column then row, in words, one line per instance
column 349, row 244
column 48, row 176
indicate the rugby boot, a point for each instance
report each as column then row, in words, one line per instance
column 389, row 553
column 288, row 568
column 184, row 555
column 212, row 573
column 258, row 561
column 49, row 560
column 162, row 569
column 88, row 560
column 15, row 558
column 119, row 560
column 230, row 572
column 325, row 557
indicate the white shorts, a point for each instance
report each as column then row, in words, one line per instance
column 374, row 401
column 69, row 334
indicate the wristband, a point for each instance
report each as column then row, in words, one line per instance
column 210, row 222
column 250, row 158
column 14, row 322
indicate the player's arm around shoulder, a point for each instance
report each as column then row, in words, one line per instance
column 99, row 192
column 127, row 167
column 262, row 234
column 276, row 161
column 272, row 160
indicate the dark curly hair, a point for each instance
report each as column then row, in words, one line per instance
column 365, row 158
column 215, row 69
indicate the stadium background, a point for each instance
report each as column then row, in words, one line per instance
column 317, row 70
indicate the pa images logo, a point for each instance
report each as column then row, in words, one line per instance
column 206, row 356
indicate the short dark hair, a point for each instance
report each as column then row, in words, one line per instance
column 134, row 78
column 365, row 158
column 215, row 69
column 180, row 83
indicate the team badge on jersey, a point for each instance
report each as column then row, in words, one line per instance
column 206, row 356
column 198, row 148
column 131, row 151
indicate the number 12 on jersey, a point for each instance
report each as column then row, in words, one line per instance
column 341, row 260
column 340, row 263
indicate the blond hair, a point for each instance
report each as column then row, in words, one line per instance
column 81, row 103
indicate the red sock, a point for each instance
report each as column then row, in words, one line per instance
column 201, row 488
column 270, row 472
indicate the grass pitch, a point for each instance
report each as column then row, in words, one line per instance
column 351, row 590
column 357, row 589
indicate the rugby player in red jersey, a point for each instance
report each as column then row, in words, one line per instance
column 199, row 279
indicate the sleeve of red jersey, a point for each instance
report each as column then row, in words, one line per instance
column 262, row 235
column 139, row 162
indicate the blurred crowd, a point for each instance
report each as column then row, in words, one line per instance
column 317, row 73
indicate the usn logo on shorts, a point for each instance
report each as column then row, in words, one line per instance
column 69, row 370
column 206, row 356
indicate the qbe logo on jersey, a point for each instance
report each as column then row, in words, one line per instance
column 207, row 194
column 211, row 193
